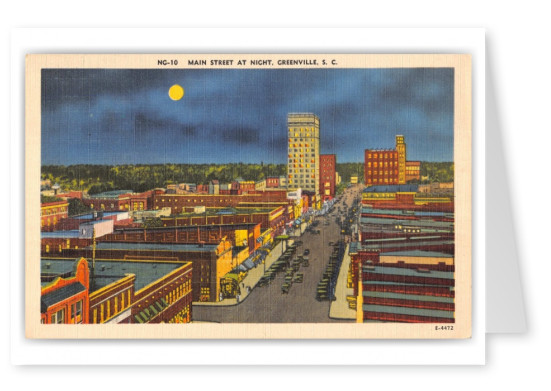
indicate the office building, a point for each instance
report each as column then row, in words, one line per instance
column 328, row 164
column 303, row 171
column 386, row 166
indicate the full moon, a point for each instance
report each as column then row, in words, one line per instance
column 176, row 92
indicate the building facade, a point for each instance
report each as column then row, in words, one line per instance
column 386, row 167
column 166, row 300
column 180, row 203
column 65, row 300
column 398, row 293
column 51, row 213
column 401, row 150
column 381, row 167
column 303, row 171
column 328, row 165
column 112, row 303
column 272, row 182
column 413, row 171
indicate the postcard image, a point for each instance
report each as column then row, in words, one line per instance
column 248, row 196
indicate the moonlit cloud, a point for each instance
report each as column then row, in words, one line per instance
column 126, row 116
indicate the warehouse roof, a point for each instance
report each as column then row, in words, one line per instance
column 414, row 223
column 408, row 272
column 386, row 245
column 408, row 311
column 226, row 211
column 91, row 215
column 400, row 212
column 391, row 188
column 407, row 296
column 60, row 234
column 60, row 294
column 107, row 272
column 111, row 194
column 418, row 253
column 155, row 246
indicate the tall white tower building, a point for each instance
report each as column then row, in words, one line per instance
column 303, row 152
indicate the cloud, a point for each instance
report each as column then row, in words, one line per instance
column 130, row 110
column 241, row 135
column 147, row 123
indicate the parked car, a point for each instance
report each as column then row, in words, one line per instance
column 306, row 252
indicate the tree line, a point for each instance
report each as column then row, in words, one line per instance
column 99, row 178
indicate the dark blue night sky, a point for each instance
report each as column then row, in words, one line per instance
column 127, row 117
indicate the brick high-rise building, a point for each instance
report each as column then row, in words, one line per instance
column 401, row 149
column 384, row 166
column 381, row 167
column 328, row 164
column 303, row 169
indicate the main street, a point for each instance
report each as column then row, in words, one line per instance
column 267, row 304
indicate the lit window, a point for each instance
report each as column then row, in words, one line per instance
column 58, row 317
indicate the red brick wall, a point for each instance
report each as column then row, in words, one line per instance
column 328, row 165
column 381, row 167
column 81, row 276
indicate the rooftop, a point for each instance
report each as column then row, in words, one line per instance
column 382, row 244
column 108, row 272
column 391, row 188
column 60, row 294
column 407, row 272
column 418, row 253
column 91, row 215
column 227, row 211
column 407, row 223
column 155, row 246
column 111, row 194
column 60, row 234
column 408, row 311
column 403, row 212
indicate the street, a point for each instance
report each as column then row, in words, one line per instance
column 267, row 304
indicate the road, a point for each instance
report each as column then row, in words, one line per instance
column 267, row 304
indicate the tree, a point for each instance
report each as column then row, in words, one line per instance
column 153, row 222
column 44, row 199
column 77, row 207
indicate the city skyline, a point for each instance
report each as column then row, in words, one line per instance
column 230, row 116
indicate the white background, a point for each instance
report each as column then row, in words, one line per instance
column 517, row 39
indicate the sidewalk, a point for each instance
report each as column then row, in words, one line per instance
column 339, row 308
column 252, row 278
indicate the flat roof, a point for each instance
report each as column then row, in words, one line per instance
column 416, row 223
column 391, row 188
column 111, row 194
column 408, row 272
column 408, row 311
column 213, row 227
column 385, row 245
column 154, row 246
column 405, row 212
column 91, row 216
column 108, row 272
column 60, row 294
column 74, row 233
column 418, row 253
column 406, row 296
column 224, row 211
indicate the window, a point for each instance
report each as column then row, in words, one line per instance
column 58, row 317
